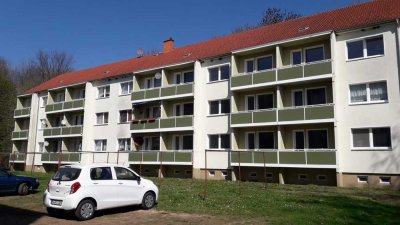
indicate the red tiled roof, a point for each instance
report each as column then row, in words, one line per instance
column 370, row 13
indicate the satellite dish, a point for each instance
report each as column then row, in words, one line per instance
column 63, row 122
column 140, row 52
column 44, row 122
column 46, row 143
column 158, row 75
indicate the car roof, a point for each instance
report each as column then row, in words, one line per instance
column 80, row 166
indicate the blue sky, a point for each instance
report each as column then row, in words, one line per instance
column 97, row 32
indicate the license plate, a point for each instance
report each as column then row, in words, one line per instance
column 56, row 202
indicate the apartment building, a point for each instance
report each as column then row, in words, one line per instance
column 315, row 100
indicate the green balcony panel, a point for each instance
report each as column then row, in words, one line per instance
column 321, row 158
column 269, row 157
column 241, row 118
column 319, row 112
column 152, row 125
column 79, row 103
column 245, row 157
column 318, row 69
column 17, row 112
column 153, row 93
column 166, row 156
column 167, row 123
column 292, row 158
column 291, row 114
column 76, row 130
column 56, row 131
column 184, row 89
column 68, row 105
column 66, row 131
column 15, row 134
column 74, row 157
column 135, row 156
column 234, row 157
column 137, row 126
column 138, row 95
column 58, row 106
column 183, row 157
column 45, row 157
column 264, row 77
column 243, row 80
column 54, row 157
column 264, row 116
column 25, row 111
column 290, row 73
column 23, row 134
column 47, row 132
column 184, row 121
column 168, row 91
column 21, row 157
column 150, row 156
column 49, row 108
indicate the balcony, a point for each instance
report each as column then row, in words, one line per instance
column 24, row 112
column 309, row 71
column 170, row 92
column 17, row 157
column 292, row 115
column 167, row 157
column 63, row 158
column 162, row 124
column 57, row 132
column 65, row 106
column 307, row 158
column 20, row 135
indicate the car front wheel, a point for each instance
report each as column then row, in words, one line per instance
column 23, row 189
column 85, row 210
column 149, row 200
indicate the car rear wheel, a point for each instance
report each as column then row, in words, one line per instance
column 23, row 189
column 149, row 200
column 85, row 210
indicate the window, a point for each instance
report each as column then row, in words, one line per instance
column 100, row 145
column 219, row 73
column 152, row 82
column 317, row 139
column 369, row 93
column 249, row 65
column 219, row 141
column 298, row 139
column 80, row 94
column 152, row 112
column 260, row 140
column 185, row 109
column 60, row 97
column 303, row 177
column 260, row 101
column 183, row 142
column 365, row 48
column 384, row 180
column 101, row 118
column 126, row 88
column 125, row 116
column 211, row 173
column 314, row 54
column 220, row 107
column 43, row 101
column 379, row 138
column 259, row 64
column 316, row 96
column 124, row 144
column 362, row 179
column 296, row 57
column 77, row 145
column 321, row 178
column 103, row 92
column 298, row 99
column 188, row 77
column 124, row 174
column 101, row 173
column 77, row 120
column 151, row 143
column 57, row 121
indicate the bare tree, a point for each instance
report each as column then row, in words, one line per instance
column 276, row 15
column 41, row 68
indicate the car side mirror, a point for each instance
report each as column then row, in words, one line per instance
column 138, row 178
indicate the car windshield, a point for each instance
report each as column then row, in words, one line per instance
column 67, row 174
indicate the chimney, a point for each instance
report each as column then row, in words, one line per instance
column 168, row 45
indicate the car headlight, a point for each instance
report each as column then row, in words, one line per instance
column 37, row 180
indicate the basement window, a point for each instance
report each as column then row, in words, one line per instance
column 384, row 180
column 362, row 179
column 177, row 172
column 188, row 172
column 303, row 177
column 269, row 176
column 211, row 173
column 224, row 173
column 253, row 174
column 322, row 178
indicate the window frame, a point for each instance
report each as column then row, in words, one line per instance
column 294, row 138
column 257, row 141
column 371, row 140
column 219, row 107
column 304, row 58
column 104, row 91
column 368, row 90
column 294, row 99
column 128, row 119
column 102, row 113
column 219, row 141
column 125, row 144
column 219, row 73
column 256, row 107
column 180, row 137
column 305, row 96
column 307, row 143
column 130, row 91
column 301, row 55
column 102, row 149
column 365, row 52
column 181, row 109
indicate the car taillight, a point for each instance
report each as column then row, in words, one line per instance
column 75, row 187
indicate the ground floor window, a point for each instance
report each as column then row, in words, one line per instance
column 379, row 138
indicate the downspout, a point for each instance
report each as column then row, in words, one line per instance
column 36, row 130
column 398, row 48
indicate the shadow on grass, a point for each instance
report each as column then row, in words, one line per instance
column 17, row 216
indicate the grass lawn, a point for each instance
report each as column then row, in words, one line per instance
column 277, row 204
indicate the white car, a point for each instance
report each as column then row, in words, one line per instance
column 85, row 189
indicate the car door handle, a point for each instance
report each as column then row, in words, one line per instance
column 95, row 183
column 120, row 183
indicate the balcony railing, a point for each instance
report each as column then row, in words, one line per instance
column 24, row 112
column 64, row 157
column 17, row 157
column 284, row 115
column 65, row 106
column 294, row 157
column 282, row 75
column 163, row 92
column 162, row 123
column 180, row 157
column 23, row 134
column 63, row 131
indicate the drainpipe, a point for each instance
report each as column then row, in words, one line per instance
column 398, row 47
